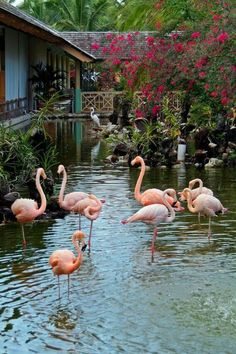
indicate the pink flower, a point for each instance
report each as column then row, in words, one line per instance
column 95, row 46
column 179, row 47
column 223, row 93
column 138, row 113
column 224, row 101
column 195, row 34
column 222, row 37
column 116, row 61
column 217, row 17
column 155, row 110
column 201, row 62
column 160, row 88
column 202, row 74
column 206, row 86
column 158, row 25
column 174, row 36
column 150, row 40
column 213, row 94
column 109, row 36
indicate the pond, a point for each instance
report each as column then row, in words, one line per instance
column 120, row 301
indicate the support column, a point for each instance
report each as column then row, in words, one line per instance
column 78, row 100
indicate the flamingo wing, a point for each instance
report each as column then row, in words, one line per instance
column 150, row 214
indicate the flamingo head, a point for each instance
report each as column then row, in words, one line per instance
column 182, row 196
column 177, row 206
column 41, row 172
column 60, row 169
column 136, row 160
column 79, row 236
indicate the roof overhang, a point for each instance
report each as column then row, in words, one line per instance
column 44, row 33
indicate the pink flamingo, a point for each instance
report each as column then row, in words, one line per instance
column 90, row 207
column 206, row 205
column 64, row 261
column 153, row 195
column 26, row 210
column 196, row 191
column 68, row 201
column 155, row 214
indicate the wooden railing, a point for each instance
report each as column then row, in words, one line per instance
column 13, row 108
column 102, row 102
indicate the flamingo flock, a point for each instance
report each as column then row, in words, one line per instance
column 157, row 206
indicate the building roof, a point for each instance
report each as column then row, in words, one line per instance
column 17, row 19
column 97, row 43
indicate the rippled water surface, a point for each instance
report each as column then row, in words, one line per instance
column 120, row 301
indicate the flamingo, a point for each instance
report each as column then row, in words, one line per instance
column 26, row 210
column 204, row 204
column 64, row 261
column 155, row 214
column 94, row 117
column 196, row 191
column 153, row 195
column 68, row 201
column 90, row 207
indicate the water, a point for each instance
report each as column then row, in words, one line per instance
column 120, row 301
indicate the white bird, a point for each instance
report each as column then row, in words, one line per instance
column 95, row 117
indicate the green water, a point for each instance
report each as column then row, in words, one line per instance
column 120, row 301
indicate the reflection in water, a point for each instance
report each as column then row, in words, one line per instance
column 120, row 301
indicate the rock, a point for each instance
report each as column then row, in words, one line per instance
column 214, row 162
column 121, row 149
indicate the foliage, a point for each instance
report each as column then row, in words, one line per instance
column 199, row 61
column 47, row 109
column 200, row 114
column 17, row 156
column 23, row 152
column 46, row 80
column 74, row 15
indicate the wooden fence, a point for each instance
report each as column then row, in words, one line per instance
column 13, row 108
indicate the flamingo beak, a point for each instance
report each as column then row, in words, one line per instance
column 84, row 247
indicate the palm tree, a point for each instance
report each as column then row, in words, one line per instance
column 164, row 15
column 74, row 15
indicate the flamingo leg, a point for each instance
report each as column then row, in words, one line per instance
column 68, row 285
column 199, row 218
column 79, row 222
column 23, row 235
column 153, row 242
column 58, row 287
column 90, row 235
column 209, row 228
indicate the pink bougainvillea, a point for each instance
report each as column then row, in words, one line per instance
column 198, row 62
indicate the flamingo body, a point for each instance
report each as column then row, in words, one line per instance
column 64, row 262
column 152, row 195
column 68, row 201
column 196, row 191
column 205, row 205
column 26, row 210
column 90, row 207
column 150, row 214
column 155, row 214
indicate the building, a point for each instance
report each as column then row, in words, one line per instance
column 25, row 41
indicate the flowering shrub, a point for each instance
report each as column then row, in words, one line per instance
column 199, row 62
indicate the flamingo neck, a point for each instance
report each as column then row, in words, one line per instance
column 79, row 258
column 137, row 190
column 169, row 207
column 63, row 186
column 190, row 201
column 91, row 212
column 199, row 181
column 42, row 208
